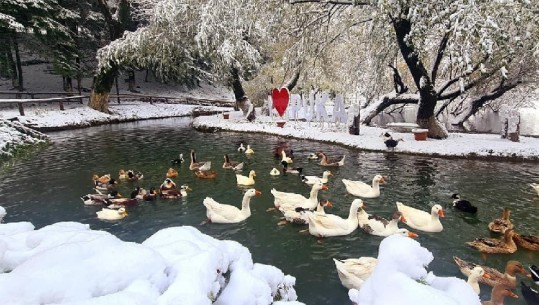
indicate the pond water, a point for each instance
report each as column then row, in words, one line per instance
column 46, row 187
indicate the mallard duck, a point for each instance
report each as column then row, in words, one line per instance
column 291, row 170
column 99, row 199
column 494, row 276
column 324, row 161
column 499, row 225
column 168, row 184
column 535, row 186
column 101, row 180
column 150, row 195
column 289, row 201
column 312, row 156
column 492, row 245
column 132, row 176
column 172, row 173
column 421, row 220
column 473, row 279
column 299, row 216
column 109, row 186
column 325, row 225
column 178, row 160
column 275, row 172
column 132, row 200
column 530, row 295
column 249, row 150
column 362, row 189
column 224, row 213
column 380, row 226
column 463, row 205
column 310, row 180
column 241, row 148
column 237, row 166
column 530, row 242
column 498, row 294
column 534, row 274
column 110, row 214
column 122, row 174
column 198, row 165
column 205, row 174
column 285, row 158
column 243, row 180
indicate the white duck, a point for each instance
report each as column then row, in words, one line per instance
column 109, row 214
column 285, row 158
column 224, row 213
column 362, row 189
column 353, row 272
column 299, row 215
column 332, row 225
column 244, row 180
column 376, row 225
column 310, row 180
column 473, row 279
column 289, row 201
column 362, row 215
column 249, row 150
column 535, row 187
column 241, row 148
column 421, row 220
column 312, row 156
column 275, row 172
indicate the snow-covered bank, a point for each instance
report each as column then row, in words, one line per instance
column 457, row 145
column 68, row 263
column 14, row 136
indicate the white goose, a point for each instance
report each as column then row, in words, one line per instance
column 353, row 272
column 285, row 158
column 299, row 215
column 310, row 180
column 289, row 201
column 333, row 225
column 379, row 226
column 244, row 180
column 362, row 215
column 421, row 220
column 275, row 172
column 362, row 189
column 224, row 213
column 109, row 214
column 535, row 187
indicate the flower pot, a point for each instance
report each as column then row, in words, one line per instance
column 420, row 134
column 280, row 124
column 226, row 115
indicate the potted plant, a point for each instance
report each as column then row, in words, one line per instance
column 420, row 134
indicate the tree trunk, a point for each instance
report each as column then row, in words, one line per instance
column 99, row 99
column 20, row 82
column 293, row 81
column 131, row 86
column 425, row 114
column 242, row 101
column 68, row 84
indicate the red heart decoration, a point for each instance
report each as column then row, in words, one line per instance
column 280, row 99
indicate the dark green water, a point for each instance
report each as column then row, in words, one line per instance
column 45, row 188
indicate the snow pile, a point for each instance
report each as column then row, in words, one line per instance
column 13, row 136
column 400, row 277
column 68, row 263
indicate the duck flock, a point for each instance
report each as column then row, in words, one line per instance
column 309, row 211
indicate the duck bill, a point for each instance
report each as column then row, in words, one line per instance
column 382, row 180
column 513, row 295
column 487, row 276
column 328, row 204
column 258, row 193
column 441, row 213
column 412, row 235
column 324, row 187
column 403, row 219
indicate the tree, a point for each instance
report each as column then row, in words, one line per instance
column 451, row 48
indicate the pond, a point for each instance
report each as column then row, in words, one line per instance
column 46, row 187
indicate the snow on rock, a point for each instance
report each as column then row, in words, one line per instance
column 14, row 135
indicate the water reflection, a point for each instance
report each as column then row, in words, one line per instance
column 55, row 178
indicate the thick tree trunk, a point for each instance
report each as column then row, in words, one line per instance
column 242, row 101
column 425, row 114
column 293, row 81
column 99, row 99
column 131, row 86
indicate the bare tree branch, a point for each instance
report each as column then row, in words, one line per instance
column 439, row 56
column 340, row 2
column 456, row 79
column 387, row 101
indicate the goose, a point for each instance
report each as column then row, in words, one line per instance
column 275, row 172
column 286, row 200
column 204, row 166
column 362, row 215
column 285, row 158
column 535, row 186
column 493, row 245
column 249, row 150
column 421, row 220
column 534, row 274
column 310, row 180
column 178, row 160
column 353, row 272
column 110, row 214
column 312, row 156
column 379, row 226
column 530, row 295
column 241, row 148
column 299, row 216
column 172, row 173
column 99, row 199
column 224, row 213
column 326, row 162
column 291, row 170
column 325, row 225
column 494, row 277
column 362, row 189
column 498, row 294
column 499, row 225
column 463, row 205
column 243, row 180
column 234, row 165
column 530, row 242
column 473, row 279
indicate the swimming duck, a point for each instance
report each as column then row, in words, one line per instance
column 172, row 173
column 132, row 200
column 168, row 184
column 494, row 276
column 326, row 162
column 110, row 214
column 285, row 158
column 534, row 274
column 132, row 176
column 184, row 188
column 299, row 216
column 241, row 148
column 224, row 213
column 243, row 180
column 530, row 242
column 310, row 180
column 362, row 189
column 530, row 295
column 421, row 220
column 499, row 225
column 312, row 156
column 109, row 186
column 325, row 225
column 498, row 294
column 122, row 174
column 198, row 165
column 275, row 172
column 205, row 174
column 249, row 150
column 353, row 272
column 535, row 186
column 463, row 205
column 288, row 201
column 234, row 165
column 380, row 226
column 493, row 245
column 150, row 195
column 473, row 279
column 291, row 170
column 99, row 199
column 362, row 215
column 101, row 180
column 178, row 160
